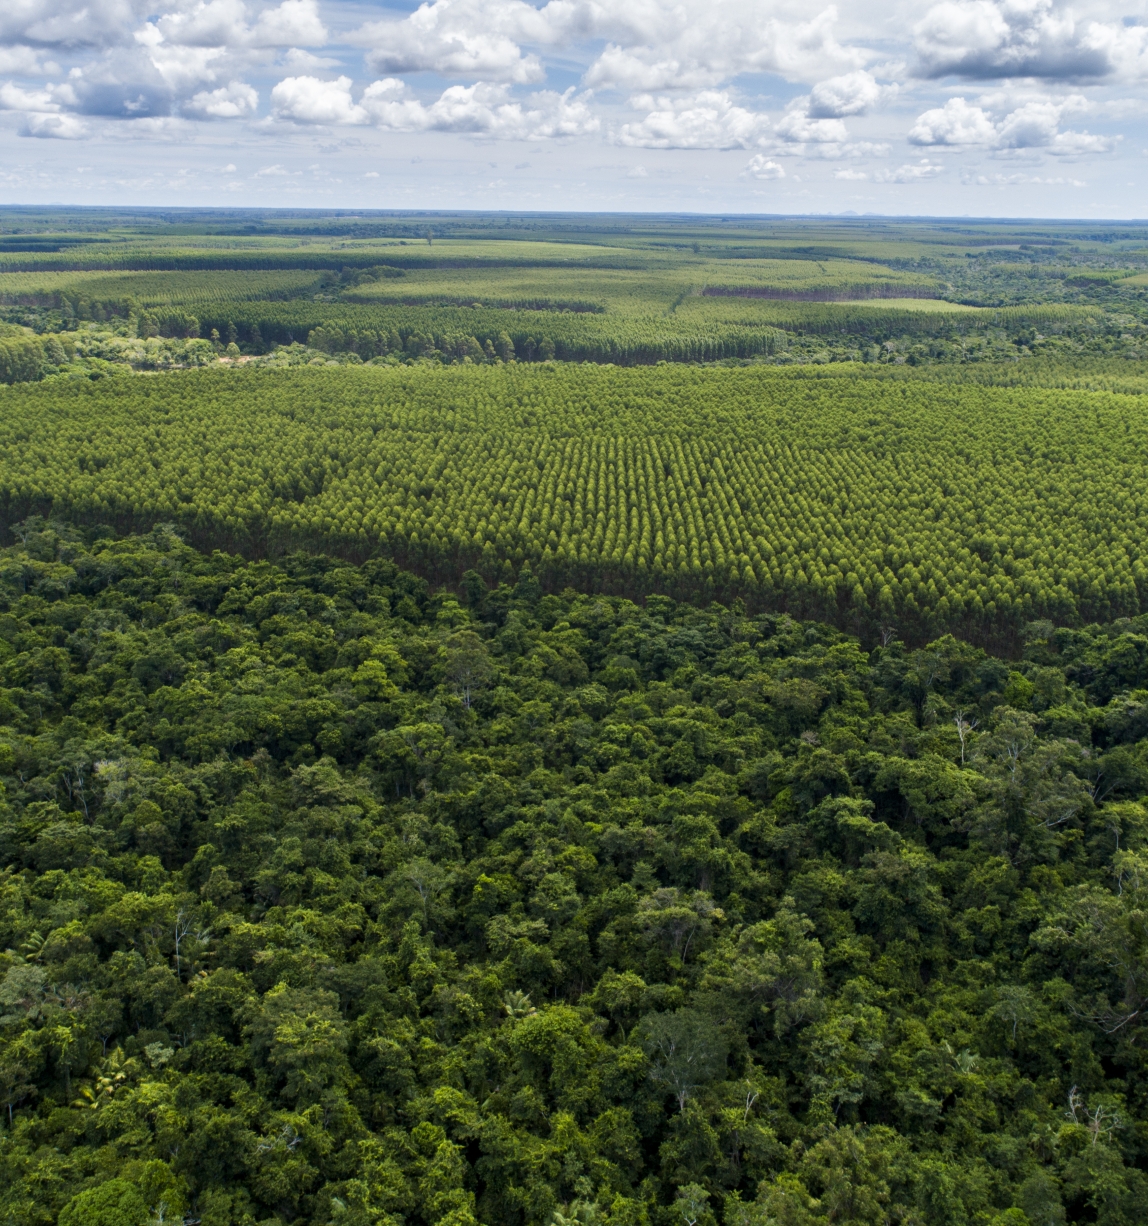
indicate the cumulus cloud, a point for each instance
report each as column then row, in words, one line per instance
column 813, row 125
column 14, row 98
column 311, row 100
column 53, row 126
column 987, row 39
column 179, row 67
column 760, row 167
column 428, row 41
column 173, row 62
column 42, row 111
column 1033, row 125
column 699, row 44
column 224, row 23
column 481, row 109
column 708, row 120
column 656, row 44
column 955, row 123
column 234, row 101
column 851, row 94
column 20, row 61
column 713, row 119
column 304, row 61
column 27, row 25
column 294, row 23
column 851, row 176
column 797, row 126
column 179, row 62
column 68, row 23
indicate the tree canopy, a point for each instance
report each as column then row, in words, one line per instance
column 329, row 899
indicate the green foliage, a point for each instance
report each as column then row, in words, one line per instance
column 605, row 292
column 685, row 1049
column 113, row 1203
column 330, row 899
column 865, row 501
column 21, row 356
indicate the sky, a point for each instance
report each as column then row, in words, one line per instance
column 1002, row 108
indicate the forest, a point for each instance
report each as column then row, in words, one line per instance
column 331, row 899
column 151, row 291
column 563, row 720
column 859, row 497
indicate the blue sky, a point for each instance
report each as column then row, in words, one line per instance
column 964, row 107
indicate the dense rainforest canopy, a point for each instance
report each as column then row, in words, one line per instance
column 330, row 900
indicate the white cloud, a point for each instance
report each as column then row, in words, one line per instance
column 41, row 111
column 851, row 94
column 1125, row 48
column 1036, row 126
column 986, row 39
column 709, row 120
column 68, row 23
column 181, row 68
column 712, row 119
column 21, row 61
column 311, row 100
column 481, row 109
column 58, row 127
column 851, row 176
column 910, row 172
column 651, row 44
column 234, row 101
column 162, row 66
column 797, row 126
column 304, row 61
column 1033, row 125
column 703, row 43
column 14, row 98
column 176, row 59
column 294, row 23
column 224, row 23
column 955, row 123
column 759, row 167
column 812, row 125
column 143, row 80
column 422, row 44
